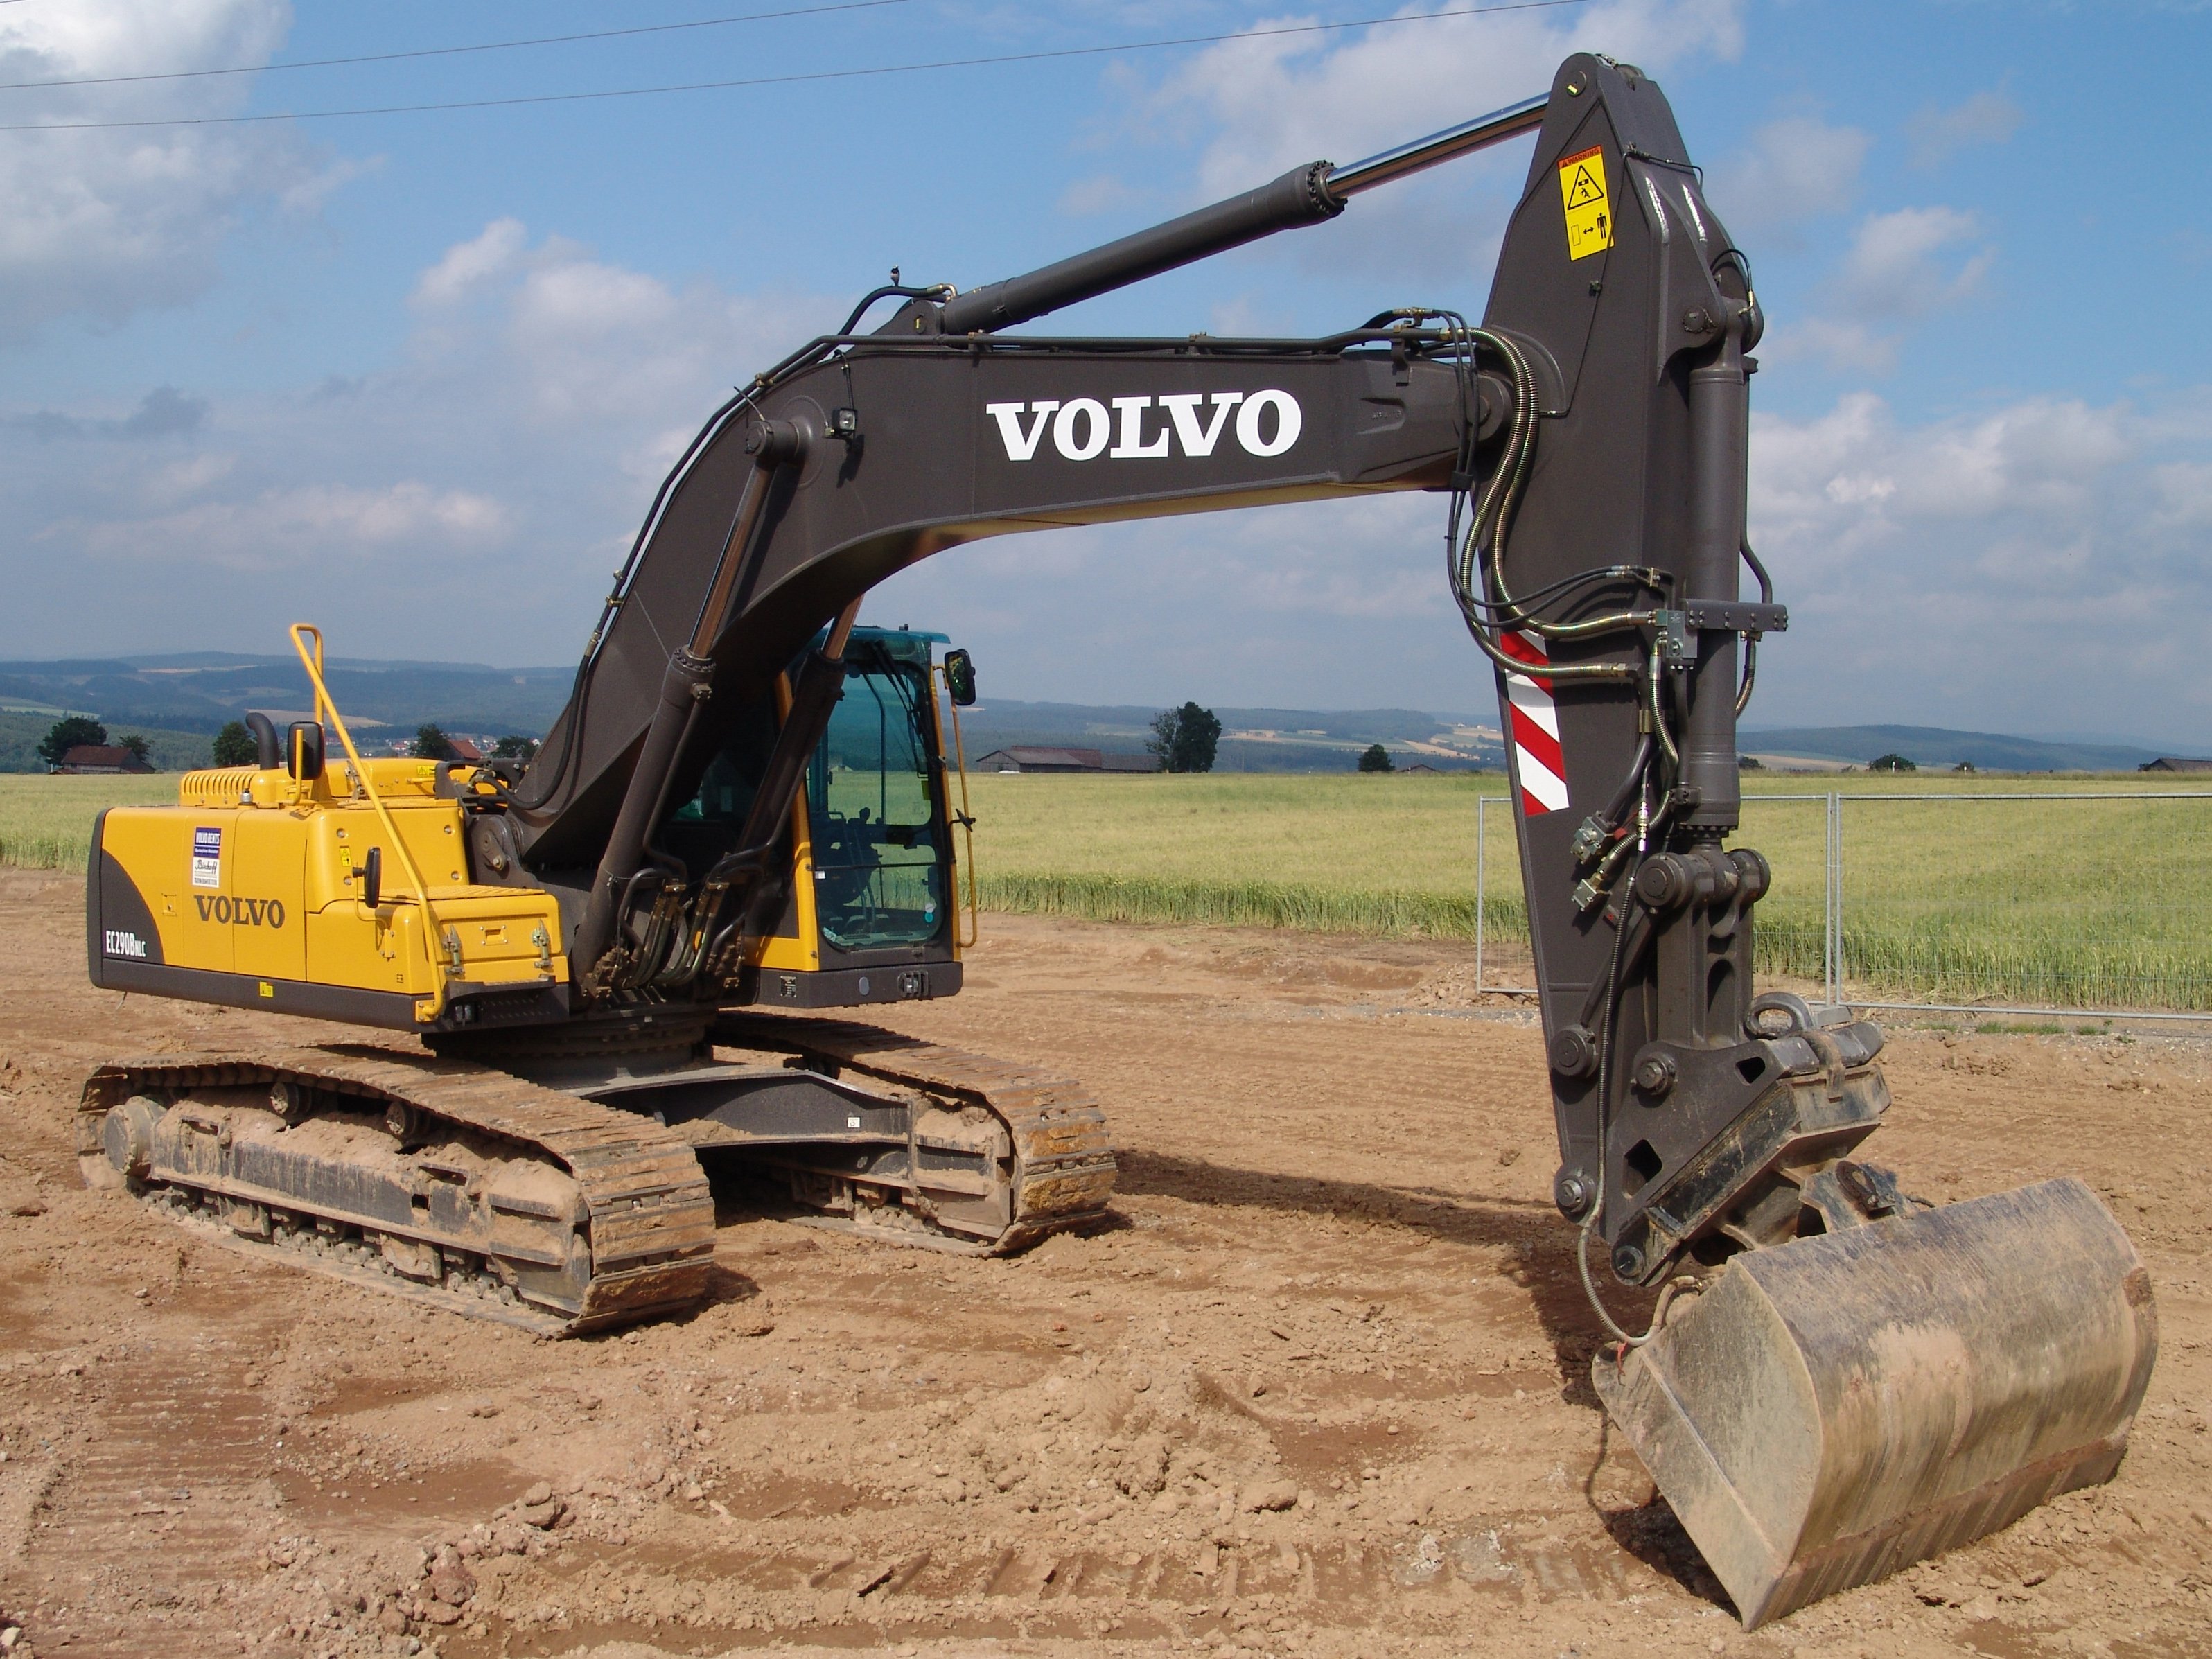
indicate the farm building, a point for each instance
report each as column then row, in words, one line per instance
column 2175, row 764
column 89, row 759
column 1028, row 757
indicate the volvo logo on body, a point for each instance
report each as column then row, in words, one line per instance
column 240, row 912
column 1147, row 428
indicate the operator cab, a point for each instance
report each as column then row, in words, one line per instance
column 869, row 914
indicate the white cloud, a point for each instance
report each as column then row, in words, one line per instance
column 2184, row 490
column 1279, row 101
column 307, row 528
column 467, row 267
column 600, row 341
column 498, row 465
column 1998, row 571
column 1901, row 266
column 1893, row 271
column 1258, row 106
column 1794, row 169
column 1987, row 118
column 2033, row 564
column 102, row 224
column 1854, row 472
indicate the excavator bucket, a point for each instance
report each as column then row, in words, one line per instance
column 1838, row 1407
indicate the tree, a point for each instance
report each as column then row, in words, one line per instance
column 234, row 745
column 1184, row 739
column 1376, row 758
column 512, row 747
column 1891, row 764
column 431, row 744
column 1161, row 745
column 138, row 747
column 68, row 734
column 1749, row 763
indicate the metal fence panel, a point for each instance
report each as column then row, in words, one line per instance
column 2076, row 903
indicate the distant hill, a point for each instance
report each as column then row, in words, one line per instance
column 1253, row 740
column 199, row 691
column 169, row 751
column 186, row 695
column 202, row 690
column 1935, row 746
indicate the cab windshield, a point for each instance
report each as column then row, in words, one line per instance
column 879, row 879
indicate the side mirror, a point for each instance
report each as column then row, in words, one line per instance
column 372, row 877
column 268, row 751
column 960, row 678
column 303, row 752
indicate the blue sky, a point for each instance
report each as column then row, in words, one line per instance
column 415, row 376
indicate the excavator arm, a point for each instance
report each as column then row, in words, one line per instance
column 1868, row 1380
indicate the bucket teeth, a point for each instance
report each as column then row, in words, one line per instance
column 1838, row 1407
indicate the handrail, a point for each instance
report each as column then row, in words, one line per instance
column 967, row 865
column 313, row 663
column 323, row 703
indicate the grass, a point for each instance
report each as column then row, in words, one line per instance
column 1264, row 849
column 45, row 822
column 2068, row 904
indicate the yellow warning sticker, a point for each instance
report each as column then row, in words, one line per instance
column 1589, row 212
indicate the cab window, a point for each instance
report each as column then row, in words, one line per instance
column 879, row 879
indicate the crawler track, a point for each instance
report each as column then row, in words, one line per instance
column 451, row 1184
column 1059, row 1166
column 462, row 1186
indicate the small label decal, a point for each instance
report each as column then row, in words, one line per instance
column 1589, row 212
column 122, row 943
column 207, row 858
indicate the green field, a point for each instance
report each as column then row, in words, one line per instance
column 2083, row 904
column 45, row 822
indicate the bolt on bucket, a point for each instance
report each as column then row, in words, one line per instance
column 1840, row 1407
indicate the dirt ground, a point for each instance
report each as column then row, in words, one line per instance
column 1323, row 1391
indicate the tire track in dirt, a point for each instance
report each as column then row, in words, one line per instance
column 174, row 1441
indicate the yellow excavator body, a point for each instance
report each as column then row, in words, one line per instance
column 256, row 879
column 345, row 891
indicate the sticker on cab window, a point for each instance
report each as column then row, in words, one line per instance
column 207, row 858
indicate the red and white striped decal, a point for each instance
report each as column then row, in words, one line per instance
column 1539, row 766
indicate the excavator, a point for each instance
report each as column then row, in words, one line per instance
column 594, row 974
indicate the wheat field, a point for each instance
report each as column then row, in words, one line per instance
column 1960, row 898
column 2065, row 902
column 45, row 822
